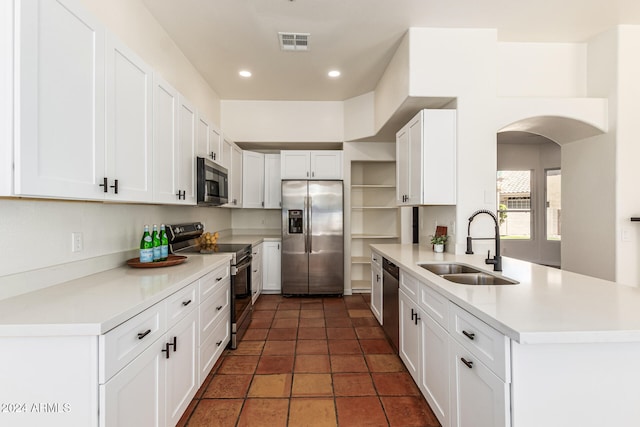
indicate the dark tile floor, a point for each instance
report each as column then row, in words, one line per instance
column 310, row 362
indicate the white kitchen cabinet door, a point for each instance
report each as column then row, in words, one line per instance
column 165, row 140
column 6, row 98
column 226, row 149
column 59, row 150
column 271, row 272
column 272, row 182
column 135, row 396
column 235, row 178
column 256, row 272
column 129, row 132
column 326, row 164
column 252, row 180
column 295, row 164
column 203, row 136
column 185, row 156
column 182, row 368
column 376, row 286
column 426, row 159
column 208, row 139
column 434, row 377
column 478, row 397
column 409, row 325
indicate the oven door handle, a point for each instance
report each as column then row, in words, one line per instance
column 244, row 264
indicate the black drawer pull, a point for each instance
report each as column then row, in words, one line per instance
column 469, row 335
column 218, row 343
column 186, row 303
column 143, row 334
column 166, row 350
column 467, row 362
column 218, row 279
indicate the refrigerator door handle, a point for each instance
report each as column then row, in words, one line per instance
column 305, row 227
column 309, row 229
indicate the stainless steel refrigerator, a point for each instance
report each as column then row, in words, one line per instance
column 312, row 238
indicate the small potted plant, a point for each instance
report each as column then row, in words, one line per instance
column 438, row 242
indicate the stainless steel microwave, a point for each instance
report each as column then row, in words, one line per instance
column 213, row 183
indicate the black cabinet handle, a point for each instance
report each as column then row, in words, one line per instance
column 417, row 318
column 469, row 335
column 377, row 277
column 218, row 343
column 186, row 303
column 467, row 362
column 143, row 334
column 218, row 279
column 174, row 344
column 115, row 186
column 218, row 308
column 413, row 314
column 104, row 184
column 166, row 350
column 182, row 194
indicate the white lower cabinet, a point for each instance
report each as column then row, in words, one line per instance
column 256, row 272
column 271, row 268
column 460, row 364
column 478, row 397
column 376, row 286
column 410, row 325
column 161, row 376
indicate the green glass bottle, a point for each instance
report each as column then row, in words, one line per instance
column 155, row 238
column 146, row 246
column 164, row 244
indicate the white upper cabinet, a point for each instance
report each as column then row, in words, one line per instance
column 252, row 180
column 226, row 153
column 60, row 101
column 426, row 159
column 6, row 98
column 165, row 139
column 129, row 133
column 174, row 136
column 235, row 174
column 321, row 164
column 272, row 182
column 185, row 155
column 208, row 140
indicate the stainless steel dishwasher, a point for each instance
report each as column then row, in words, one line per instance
column 390, row 308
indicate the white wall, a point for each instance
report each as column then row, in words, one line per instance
column 542, row 69
column 535, row 154
column 359, row 116
column 628, row 156
column 259, row 220
column 283, row 121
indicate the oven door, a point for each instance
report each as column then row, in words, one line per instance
column 241, row 303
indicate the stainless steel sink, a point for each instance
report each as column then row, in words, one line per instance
column 466, row 275
column 449, row 268
column 478, row 279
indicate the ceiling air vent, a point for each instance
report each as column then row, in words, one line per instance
column 294, row 41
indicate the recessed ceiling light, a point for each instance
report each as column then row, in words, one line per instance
column 334, row 73
column 245, row 73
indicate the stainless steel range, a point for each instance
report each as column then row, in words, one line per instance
column 183, row 238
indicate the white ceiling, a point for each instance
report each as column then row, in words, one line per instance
column 358, row 37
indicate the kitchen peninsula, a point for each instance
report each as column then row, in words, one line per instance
column 556, row 349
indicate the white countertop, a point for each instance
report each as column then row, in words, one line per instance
column 94, row 304
column 547, row 306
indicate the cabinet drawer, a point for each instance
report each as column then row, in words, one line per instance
column 409, row 285
column 480, row 339
column 212, row 309
column 213, row 346
column 123, row 343
column 181, row 303
column 434, row 304
column 210, row 280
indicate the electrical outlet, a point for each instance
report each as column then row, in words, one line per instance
column 76, row 241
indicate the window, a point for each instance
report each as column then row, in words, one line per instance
column 553, row 206
column 514, row 204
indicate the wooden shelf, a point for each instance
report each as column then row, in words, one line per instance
column 373, row 186
column 372, row 207
column 358, row 286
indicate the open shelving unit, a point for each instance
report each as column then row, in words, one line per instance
column 374, row 216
